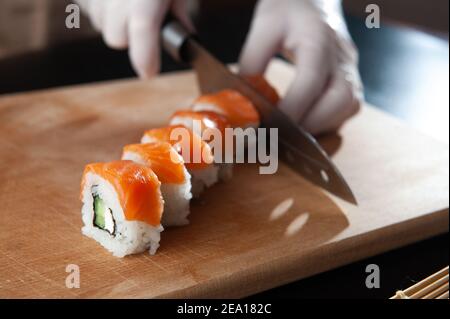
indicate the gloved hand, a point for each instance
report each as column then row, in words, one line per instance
column 135, row 24
column 327, row 89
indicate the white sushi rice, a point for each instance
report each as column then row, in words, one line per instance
column 201, row 178
column 176, row 196
column 130, row 237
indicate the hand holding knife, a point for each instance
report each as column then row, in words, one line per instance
column 298, row 149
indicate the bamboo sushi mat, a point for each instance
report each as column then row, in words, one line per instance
column 432, row 287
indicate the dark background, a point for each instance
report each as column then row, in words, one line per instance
column 404, row 70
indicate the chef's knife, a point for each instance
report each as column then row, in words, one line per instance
column 297, row 148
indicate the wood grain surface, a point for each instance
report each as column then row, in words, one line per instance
column 250, row 234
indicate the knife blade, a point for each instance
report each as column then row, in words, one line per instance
column 297, row 148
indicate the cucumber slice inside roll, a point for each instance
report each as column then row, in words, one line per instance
column 99, row 211
column 103, row 217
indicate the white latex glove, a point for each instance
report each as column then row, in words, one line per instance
column 135, row 24
column 327, row 89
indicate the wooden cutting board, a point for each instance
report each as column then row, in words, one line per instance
column 250, row 234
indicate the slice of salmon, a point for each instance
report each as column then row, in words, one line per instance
column 238, row 110
column 205, row 119
column 162, row 158
column 263, row 87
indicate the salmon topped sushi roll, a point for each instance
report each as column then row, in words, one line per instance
column 238, row 110
column 260, row 84
column 202, row 121
column 175, row 180
column 122, row 206
column 197, row 154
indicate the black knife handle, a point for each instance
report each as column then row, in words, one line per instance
column 174, row 37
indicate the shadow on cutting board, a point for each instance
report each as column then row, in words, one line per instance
column 254, row 212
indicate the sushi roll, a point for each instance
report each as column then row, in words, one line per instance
column 238, row 110
column 175, row 180
column 202, row 121
column 260, row 84
column 197, row 155
column 122, row 207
